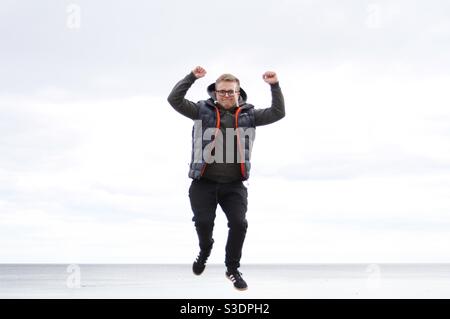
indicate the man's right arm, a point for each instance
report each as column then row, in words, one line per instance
column 177, row 100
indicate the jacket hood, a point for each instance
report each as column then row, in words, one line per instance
column 212, row 88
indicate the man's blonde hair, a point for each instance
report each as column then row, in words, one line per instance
column 228, row 78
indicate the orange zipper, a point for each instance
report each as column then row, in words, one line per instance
column 239, row 143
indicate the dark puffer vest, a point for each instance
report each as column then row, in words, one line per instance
column 209, row 118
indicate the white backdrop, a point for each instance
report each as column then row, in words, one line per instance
column 94, row 161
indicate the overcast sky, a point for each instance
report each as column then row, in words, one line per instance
column 94, row 161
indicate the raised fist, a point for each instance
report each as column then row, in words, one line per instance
column 199, row 72
column 270, row 77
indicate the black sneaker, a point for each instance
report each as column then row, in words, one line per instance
column 237, row 280
column 200, row 263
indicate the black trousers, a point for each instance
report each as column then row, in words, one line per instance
column 232, row 198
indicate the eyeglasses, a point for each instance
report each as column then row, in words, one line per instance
column 224, row 93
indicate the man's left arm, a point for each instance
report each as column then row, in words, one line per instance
column 276, row 111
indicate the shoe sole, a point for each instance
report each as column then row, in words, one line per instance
column 200, row 272
column 240, row 289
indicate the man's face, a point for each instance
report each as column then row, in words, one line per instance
column 226, row 93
